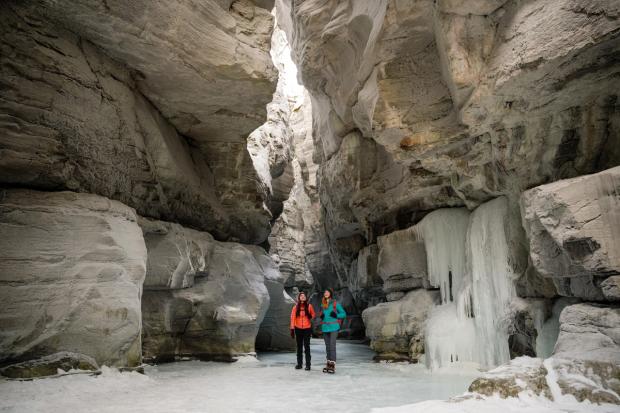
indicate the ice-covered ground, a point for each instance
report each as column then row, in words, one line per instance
column 270, row 384
column 522, row 404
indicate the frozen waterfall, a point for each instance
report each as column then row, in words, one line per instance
column 492, row 280
column 468, row 259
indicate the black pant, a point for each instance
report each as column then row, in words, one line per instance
column 303, row 340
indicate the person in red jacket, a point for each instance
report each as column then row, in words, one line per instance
column 301, row 328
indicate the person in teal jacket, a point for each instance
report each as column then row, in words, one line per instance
column 332, row 315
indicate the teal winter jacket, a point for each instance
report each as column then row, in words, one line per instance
column 329, row 323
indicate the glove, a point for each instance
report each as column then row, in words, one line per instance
column 333, row 314
column 292, row 333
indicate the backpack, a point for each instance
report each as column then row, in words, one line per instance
column 340, row 320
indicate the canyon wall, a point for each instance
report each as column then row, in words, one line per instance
column 141, row 164
column 449, row 167
column 468, row 152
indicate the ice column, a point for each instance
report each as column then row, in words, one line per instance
column 444, row 234
column 450, row 332
column 470, row 260
column 492, row 280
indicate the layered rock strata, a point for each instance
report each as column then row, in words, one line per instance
column 574, row 233
column 156, row 118
column 422, row 105
column 229, row 294
column 72, row 267
column 396, row 329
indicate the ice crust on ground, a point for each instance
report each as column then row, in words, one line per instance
column 495, row 404
column 270, row 384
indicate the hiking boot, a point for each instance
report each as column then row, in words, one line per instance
column 307, row 367
column 331, row 367
column 298, row 367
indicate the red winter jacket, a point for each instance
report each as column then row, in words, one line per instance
column 304, row 320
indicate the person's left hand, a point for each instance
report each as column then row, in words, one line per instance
column 292, row 333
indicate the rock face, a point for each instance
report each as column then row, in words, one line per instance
column 273, row 334
column 584, row 364
column 589, row 332
column 402, row 261
column 455, row 126
column 429, row 104
column 71, row 268
column 394, row 174
column 216, row 313
column 364, row 282
column 161, row 126
column 396, row 329
column 574, row 232
column 298, row 235
column 423, row 105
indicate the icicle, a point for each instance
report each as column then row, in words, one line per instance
column 549, row 330
column 448, row 339
column 450, row 334
column 469, row 260
column 492, row 280
column 444, row 234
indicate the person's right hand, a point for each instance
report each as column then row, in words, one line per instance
column 292, row 333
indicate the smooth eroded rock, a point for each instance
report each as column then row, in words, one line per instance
column 49, row 365
column 573, row 228
column 219, row 316
column 396, row 329
column 71, row 269
column 589, row 345
column 402, row 261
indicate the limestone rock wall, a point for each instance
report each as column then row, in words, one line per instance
column 157, row 118
column 584, row 364
column 422, row 105
column 573, row 228
column 396, row 329
column 158, row 107
column 230, row 294
column 71, row 272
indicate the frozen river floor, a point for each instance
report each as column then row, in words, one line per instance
column 269, row 384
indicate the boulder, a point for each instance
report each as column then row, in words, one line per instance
column 585, row 363
column 589, row 332
column 219, row 315
column 396, row 329
column 510, row 379
column 573, row 228
column 49, row 365
column 611, row 288
column 71, row 269
column 586, row 357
